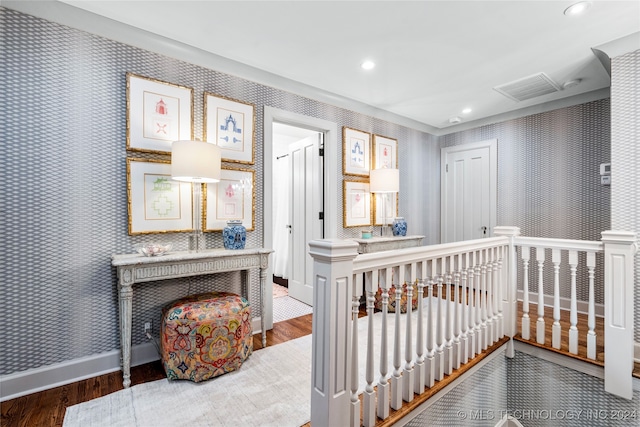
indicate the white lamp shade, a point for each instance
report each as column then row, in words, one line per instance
column 195, row 161
column 384, row 181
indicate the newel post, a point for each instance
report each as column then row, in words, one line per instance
column 619, row 251
column 331, row 334
column 510, row 285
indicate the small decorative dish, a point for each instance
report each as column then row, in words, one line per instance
column 153, row 249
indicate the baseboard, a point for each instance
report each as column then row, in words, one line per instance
column 47, row 377
column 565, row 303
column 636, row 352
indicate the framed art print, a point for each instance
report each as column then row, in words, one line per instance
column 231, row 198
column 390, row 204
column 230, row 124
column 157, row 204
column 356, row 152
column 385, row 152
column 158, row 113
column 356, row 204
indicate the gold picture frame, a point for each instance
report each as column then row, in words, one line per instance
column 158, row 113
column 385, row 152
column 230, row 124
column 356, row 152
column 356, row 204
column 156, row 203
column 233, row 198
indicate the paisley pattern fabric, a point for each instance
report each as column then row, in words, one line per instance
column 392, row 299
column 205, row 335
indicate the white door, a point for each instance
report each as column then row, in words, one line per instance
column 305, row 204
column 468, row 191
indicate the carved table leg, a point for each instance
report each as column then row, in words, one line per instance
column 125, row 296
column 263, row 275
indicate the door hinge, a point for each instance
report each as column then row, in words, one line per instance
column 446, row 167
column 321, row 215
column 321, row 152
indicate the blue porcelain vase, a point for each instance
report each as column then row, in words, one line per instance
column 234, row 235
column 399, row 226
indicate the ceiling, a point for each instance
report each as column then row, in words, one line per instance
column 433, row 58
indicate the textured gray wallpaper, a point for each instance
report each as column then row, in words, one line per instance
column 64, row 200
column 533, row 391
column 478, row 401
column 542, row 393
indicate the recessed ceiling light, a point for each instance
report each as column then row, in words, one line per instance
column 466, row 111
column 368, row 65
column 577, row 8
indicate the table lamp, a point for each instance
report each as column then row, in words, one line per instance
column 196, row 162
column 384, row 182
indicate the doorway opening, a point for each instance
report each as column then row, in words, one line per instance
column 331, row 135
column 297, row 212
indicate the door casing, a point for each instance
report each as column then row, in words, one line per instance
column 331, row 162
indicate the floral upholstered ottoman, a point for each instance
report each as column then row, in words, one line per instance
column 206, row 335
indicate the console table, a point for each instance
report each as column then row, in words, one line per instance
column 378, row 244
column 134, row 268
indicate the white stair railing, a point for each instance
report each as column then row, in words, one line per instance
column 466, row 294
column 617, row 249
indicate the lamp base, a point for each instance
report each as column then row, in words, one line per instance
column 196, row 241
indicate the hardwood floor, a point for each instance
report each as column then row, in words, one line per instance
column 47, row 408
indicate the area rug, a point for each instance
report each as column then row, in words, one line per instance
column 280, row 291
column 286, row 308
column 272, row 388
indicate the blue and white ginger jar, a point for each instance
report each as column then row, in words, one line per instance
column 234, row 235
column 399, row 226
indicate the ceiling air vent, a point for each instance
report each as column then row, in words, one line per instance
column 528, row 87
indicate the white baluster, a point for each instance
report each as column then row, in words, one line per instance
column 591, row 335
column 466, row 292
column 526, row 322
column 483, row 302
column 540, row 324
column 448, row 318
column 396, row 378
column 556, row 328
column 383, row 384
column 419, row 366
column 355, row 402
column 407, row 376
column 498, row 283
column 439, row 324
column 369, row 396
column 573, row 329
column 489, row 339
column 430, row 363
column 478, row 307
column 457, row 355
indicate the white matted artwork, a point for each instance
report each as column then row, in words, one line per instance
column 157, row 204
column 385, row 152
column 158, row 113
column 356, row 152
column 231, row 198
column 230, row 125
column 356, row 204
column 390, row 205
